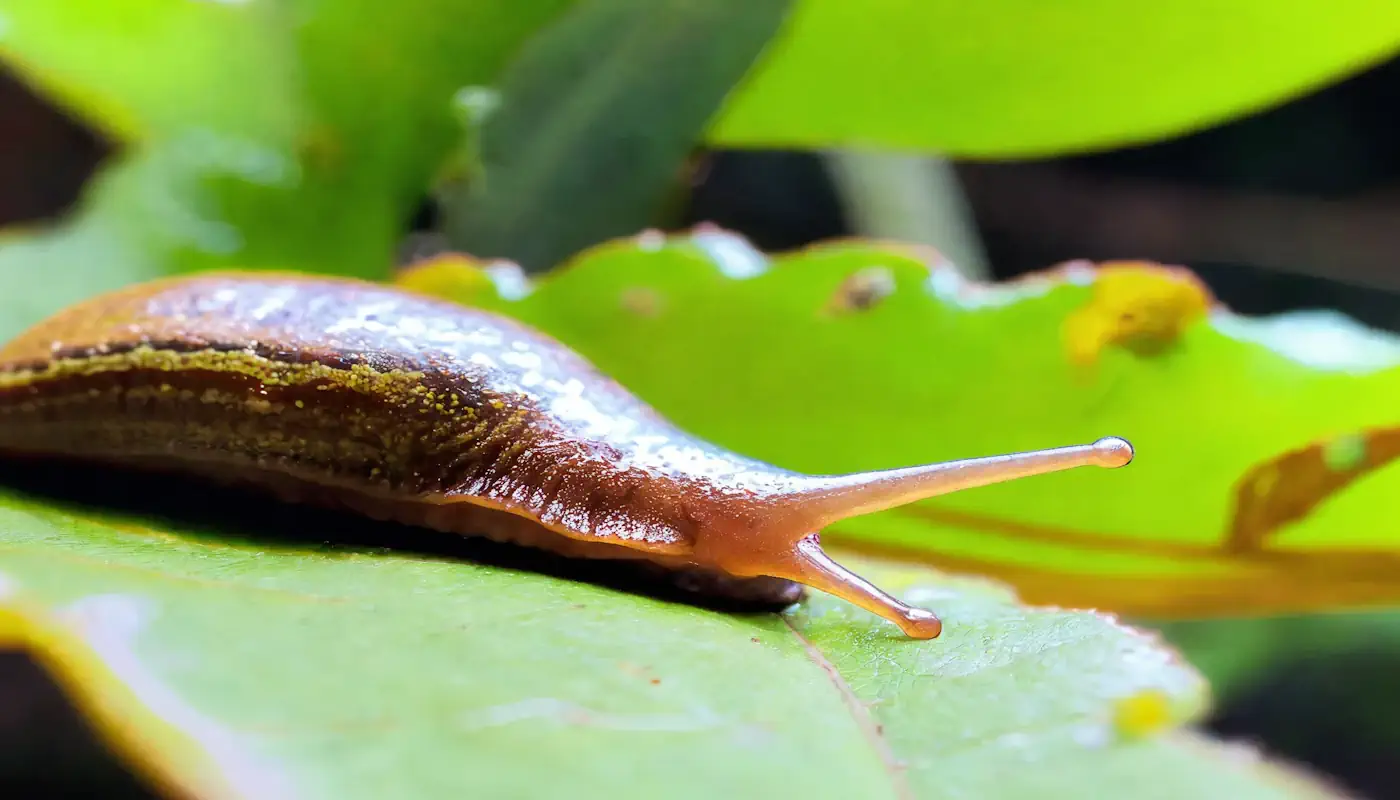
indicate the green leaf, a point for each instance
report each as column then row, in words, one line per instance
column 1313, row 686
column 1263, row 447
column 265, row 667
column 598, row 115
column 258, row 134
column 141, row 69
column 1024, row 78
column 1236, row 654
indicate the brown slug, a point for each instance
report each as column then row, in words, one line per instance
column 401, row 406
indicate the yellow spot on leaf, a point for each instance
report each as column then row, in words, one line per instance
column 1288, row 487
column 1139, row 306
column 1142, row 714
column 451, row 276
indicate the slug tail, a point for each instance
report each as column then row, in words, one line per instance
column 827, row 499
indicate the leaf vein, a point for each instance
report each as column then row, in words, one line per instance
column 894, row 768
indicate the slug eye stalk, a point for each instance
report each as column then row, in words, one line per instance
column 829, row 499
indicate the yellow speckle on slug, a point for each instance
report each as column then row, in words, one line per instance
column 360, row 378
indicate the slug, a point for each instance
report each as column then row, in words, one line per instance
column 399, row 406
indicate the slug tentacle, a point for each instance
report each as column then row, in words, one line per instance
column 819, row 571
column 813, row 502
column 829, row 499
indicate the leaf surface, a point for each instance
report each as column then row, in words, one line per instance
column 264, row 134
column 857, row 356
column 288, row 669
column 596, row 120
column 1019, row 78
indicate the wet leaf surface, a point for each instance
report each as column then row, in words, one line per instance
column 248, row 659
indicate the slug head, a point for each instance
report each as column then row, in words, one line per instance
column 775, row 532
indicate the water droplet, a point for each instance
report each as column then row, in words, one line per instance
column 733, row 255
column 925, row 595
column 1015, row 739
column 233, row 155
column 1092, row 736
column 474, row 104
column 650, row 240
column 1326, row 340
column 119, row 616
column 1079, row 272
column 510, row 280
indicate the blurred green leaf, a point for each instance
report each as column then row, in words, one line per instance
column 1319, row 689
column 259, row 134
column 1235, row 654
column 257, row 667
column 1261, row 480
column 599, row 115
column 1025, row 78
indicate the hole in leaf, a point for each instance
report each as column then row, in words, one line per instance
column 47, row 749
column 46, row 157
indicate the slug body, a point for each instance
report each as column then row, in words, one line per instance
column 399, row 406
